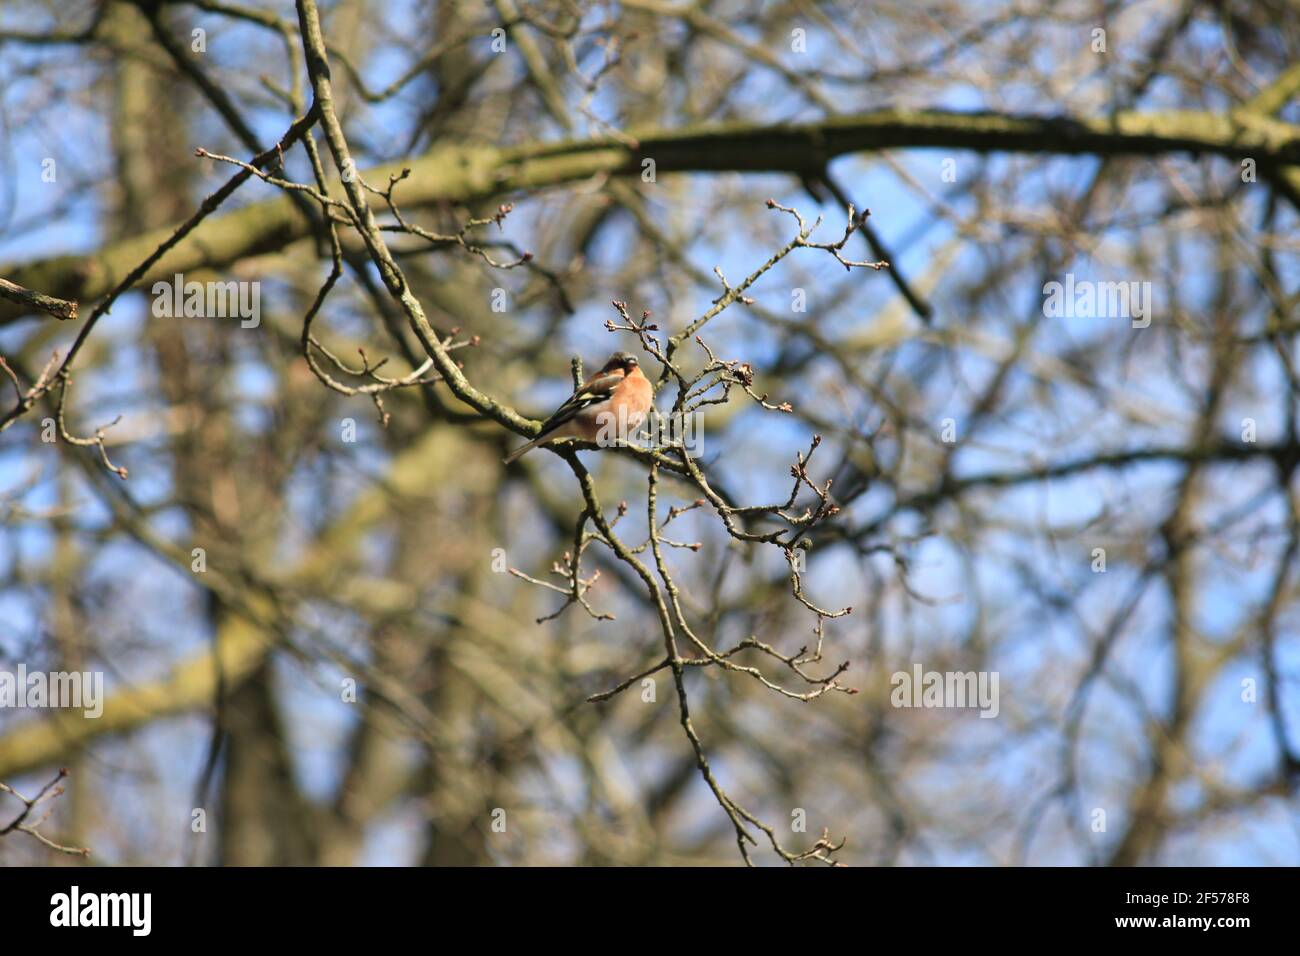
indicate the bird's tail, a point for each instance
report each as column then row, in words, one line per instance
column 524, row 449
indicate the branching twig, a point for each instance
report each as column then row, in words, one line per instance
column 19, row 824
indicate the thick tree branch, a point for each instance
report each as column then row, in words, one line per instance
column 468, row 173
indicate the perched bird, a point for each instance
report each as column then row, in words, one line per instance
column 611, row 404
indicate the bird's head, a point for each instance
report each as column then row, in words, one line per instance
column 624, row 361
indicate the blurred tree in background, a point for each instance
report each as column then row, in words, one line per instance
column 1038, row 412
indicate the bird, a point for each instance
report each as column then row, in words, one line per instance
column 613, row 401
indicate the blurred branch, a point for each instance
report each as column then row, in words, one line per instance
column 468, row 173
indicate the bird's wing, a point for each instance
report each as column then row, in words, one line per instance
column 593, row 392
